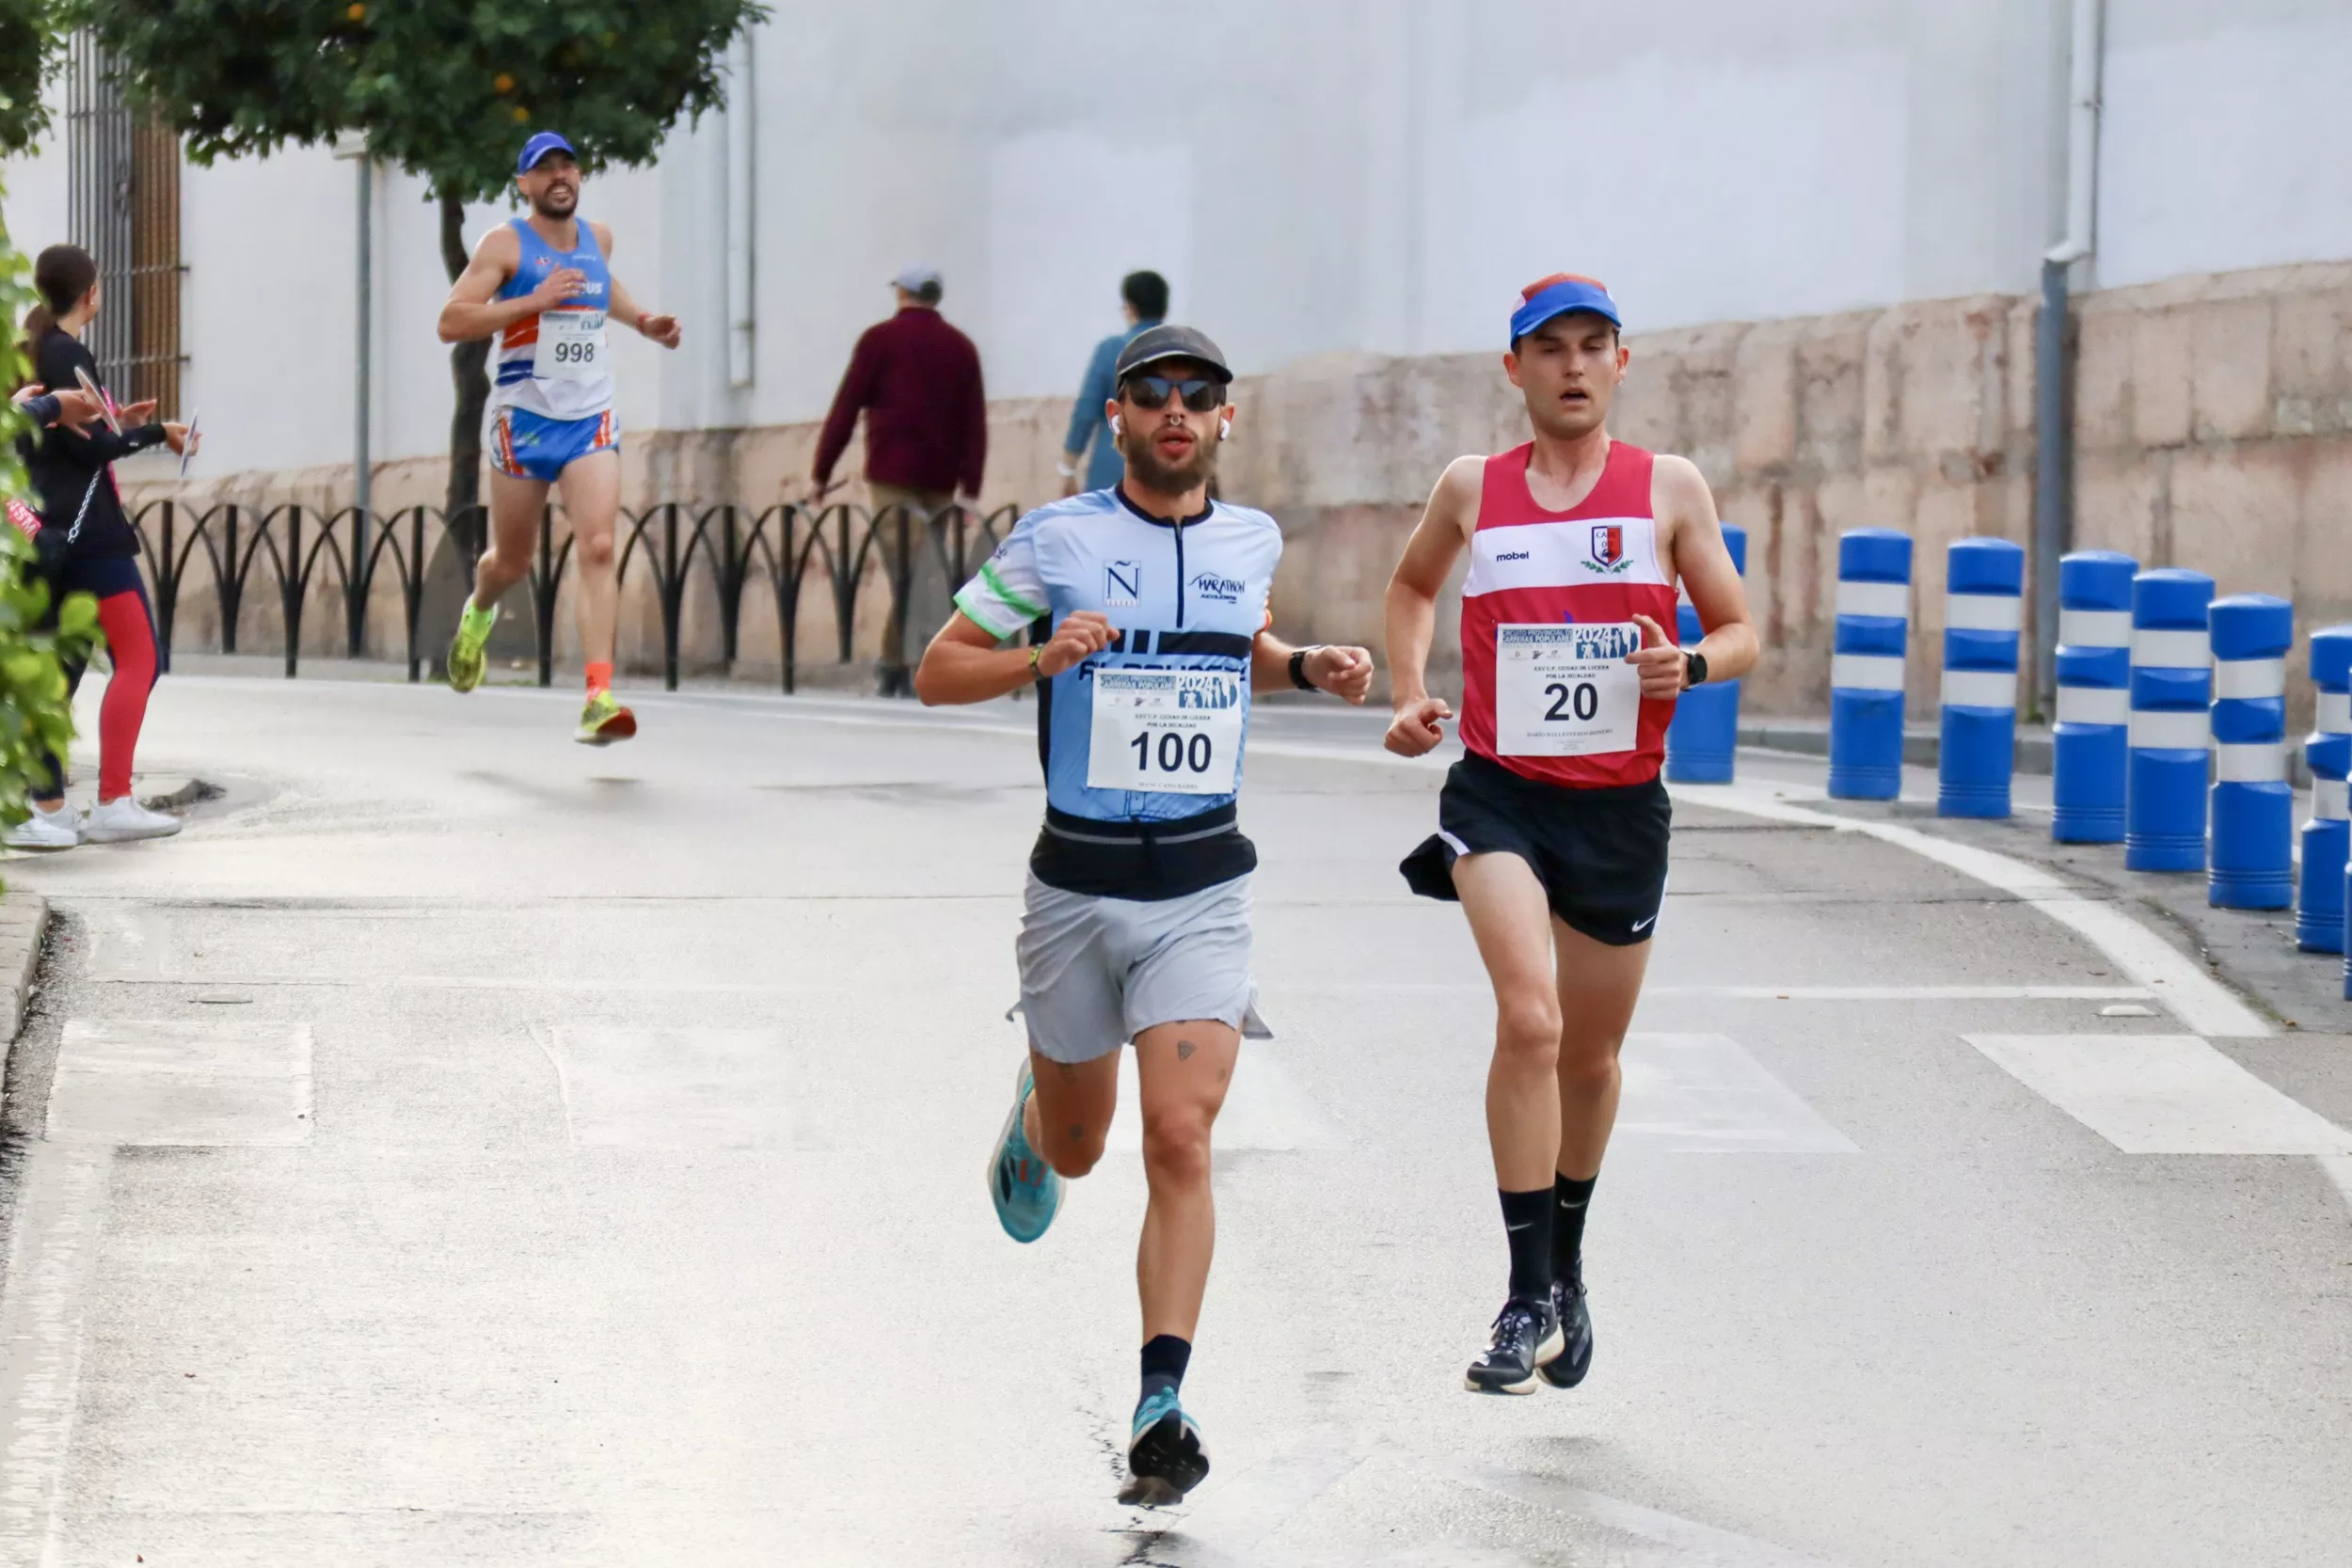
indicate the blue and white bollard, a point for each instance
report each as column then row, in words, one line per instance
column 2091, row 742
column 2252, row 804
column 1705, row 732
column 2319, row 909
column 1865, row 666
column 2164, row 808
column 1983, row 615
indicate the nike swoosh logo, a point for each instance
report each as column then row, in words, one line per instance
column 1639, row 924
column 1515, row 1229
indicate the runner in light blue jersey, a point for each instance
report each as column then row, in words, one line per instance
column 1136, row 917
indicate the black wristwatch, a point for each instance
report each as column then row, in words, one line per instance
column 1299, row 670
column 1693, row 668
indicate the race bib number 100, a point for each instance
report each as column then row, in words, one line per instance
column 571, row 346
column 1176, row 731
column 1567, row 691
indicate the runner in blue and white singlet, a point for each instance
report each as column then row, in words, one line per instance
column 541, row 286
column 1135, row 920
column 553, row 382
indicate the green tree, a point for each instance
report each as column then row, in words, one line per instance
column 36, row 714
column 445, row 90
column 29, row 48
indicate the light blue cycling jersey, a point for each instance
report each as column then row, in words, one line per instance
column 1183, row 596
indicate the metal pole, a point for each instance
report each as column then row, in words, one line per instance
column 362, row 485
column 2054, row 478
column 2053, row 490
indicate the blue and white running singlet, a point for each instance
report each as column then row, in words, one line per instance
column 557, row 364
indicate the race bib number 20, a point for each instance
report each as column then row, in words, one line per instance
column 571, row 346
column 1567, row 691
column 1174, row 732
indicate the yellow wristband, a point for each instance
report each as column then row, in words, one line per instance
column 1037, row 651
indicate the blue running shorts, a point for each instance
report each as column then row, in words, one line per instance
column 524, row 445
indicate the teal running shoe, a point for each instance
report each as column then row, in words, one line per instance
column 1165, row 1458
column 1025, row 1190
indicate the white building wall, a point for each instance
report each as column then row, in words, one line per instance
column 1315, row 177
column 2225, row 136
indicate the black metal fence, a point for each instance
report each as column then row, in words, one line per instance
column 734, row 547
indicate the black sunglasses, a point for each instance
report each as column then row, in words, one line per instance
column 1151, row 391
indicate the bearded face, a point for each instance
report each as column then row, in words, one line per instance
column 1159, row 462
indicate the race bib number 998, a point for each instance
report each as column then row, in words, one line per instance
column 571, row 346
column 1567, row 691
column 1174, row 732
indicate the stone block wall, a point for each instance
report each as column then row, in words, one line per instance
column 2213, row 429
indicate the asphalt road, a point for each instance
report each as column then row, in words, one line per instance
column 463, row 1148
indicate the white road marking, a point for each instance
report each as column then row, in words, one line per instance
column 2162, row 1094
column 2338, row 1169
column 1685, row 1541
column 1264, row 1109
column 1905, row 993
column 1230, row 1519
column 1705, row 1094
column 2194, row 997
column 182, row 1083
column 61, row 1205
column 671, row 1088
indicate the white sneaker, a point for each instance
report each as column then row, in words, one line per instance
column 123, row 817
column 46, row 830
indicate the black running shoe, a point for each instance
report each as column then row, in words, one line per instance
column 1165, row 1458
column 1527, row 1335
column 1568, row 1367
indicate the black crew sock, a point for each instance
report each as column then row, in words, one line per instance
column 1165, row 1359
column 1527, row 1222
column 1570, row 1200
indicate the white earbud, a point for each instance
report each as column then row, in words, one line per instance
column 1118, row 426
column 1224, row 428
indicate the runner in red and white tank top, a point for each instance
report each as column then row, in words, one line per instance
column 1595, row 568
column 1552, row 831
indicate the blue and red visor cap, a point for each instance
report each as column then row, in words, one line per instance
column 1558, row 296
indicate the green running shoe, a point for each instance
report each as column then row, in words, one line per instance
column 467, row 658
column 604, row 720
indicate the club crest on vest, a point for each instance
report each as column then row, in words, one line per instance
column 1608, row 549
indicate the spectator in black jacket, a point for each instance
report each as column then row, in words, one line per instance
column 72, row 478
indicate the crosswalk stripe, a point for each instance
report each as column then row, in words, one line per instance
column 2338, row 1169
column 1705, row 1094
column 182, row 1083
column 671, row 1088
column 2162, row 1094
column 1264, row 1108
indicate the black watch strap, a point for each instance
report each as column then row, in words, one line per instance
column 1693, row 667
column 1299, row 670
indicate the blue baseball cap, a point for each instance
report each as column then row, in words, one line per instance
column 539, row 147
column 1558, row 296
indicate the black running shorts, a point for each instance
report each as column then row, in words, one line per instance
column 1600, row 853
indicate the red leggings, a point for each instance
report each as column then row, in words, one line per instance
column 130, row 629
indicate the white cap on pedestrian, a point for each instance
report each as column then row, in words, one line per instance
column 918, row 278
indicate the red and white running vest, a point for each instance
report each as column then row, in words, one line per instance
column 1546, row 620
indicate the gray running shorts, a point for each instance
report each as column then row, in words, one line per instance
column 1095, row 973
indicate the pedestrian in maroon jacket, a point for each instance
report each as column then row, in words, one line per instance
column 917, row 381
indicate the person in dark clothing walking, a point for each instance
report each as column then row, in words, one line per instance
column 73, row 482
column 917, row 381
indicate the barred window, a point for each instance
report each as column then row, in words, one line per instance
column 125, row 211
